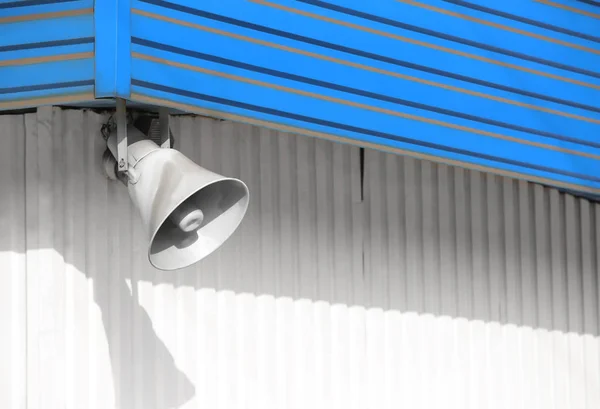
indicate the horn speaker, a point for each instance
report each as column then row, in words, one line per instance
column 188, row 211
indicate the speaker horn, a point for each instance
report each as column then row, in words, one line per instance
column 188, row 211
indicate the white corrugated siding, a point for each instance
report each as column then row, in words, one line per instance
column 442, row 288
column 483, row 290
column 13, row 292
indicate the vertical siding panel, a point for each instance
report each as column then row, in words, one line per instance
column 45, row 267
column 495, row 248
column 356, row 312
column 448, row 260
column 268, row 281
column 287, row 269
column 497, row 222
column 542, row 257
column 263, row 394
column 374, row 389
column 413, row 234
column 357, row 224
column 377, row 227
column 56, row 201
column 324, row 219
column 478, row 247
column 229, row 315
column 306, row 217
column 209, row 268
column 77, row 337
column 576, row 377
column 122, row 303
column 139, row 348
column 559, row 298
column 393, row 390
column 511, row 242
column 255, row 291
column 589, row 278
column 510, row 292
column 261, row 367
column 324, row 239
column 13, row 268
column 341, row 214
column 592, row 338
column 573, row 261
column 285, row 358
column 493, row 265
column 288, row 213
column 358, row 232
column 559, row 274
column 462, row 245
column 499, row 393
column 101, row 228
column 528, row 296
column 303, row 369
column 396, row 273
column 32, row 262
column 590, row 301
column 430, row 246
column 544, row 295
column 527, row 246
column 305, row 316
column 404, row 350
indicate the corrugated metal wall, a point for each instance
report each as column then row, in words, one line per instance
column 12, row 263
column 433, row 287
column 483, row 290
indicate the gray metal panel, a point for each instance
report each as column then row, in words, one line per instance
column 12, row 263
column 476, row 291
column 495, row 285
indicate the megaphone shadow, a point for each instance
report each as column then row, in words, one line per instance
column 132, row 339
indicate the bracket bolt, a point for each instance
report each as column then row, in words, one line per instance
column 121, row 163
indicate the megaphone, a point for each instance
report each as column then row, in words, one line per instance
column 188, row 211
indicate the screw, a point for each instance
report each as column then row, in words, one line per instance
column 121, row 163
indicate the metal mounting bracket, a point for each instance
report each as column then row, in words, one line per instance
column 116, row 161
column 165, row 136
column 122, row 165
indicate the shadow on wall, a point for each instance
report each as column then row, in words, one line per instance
column 164, row 387
column 426, row 238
